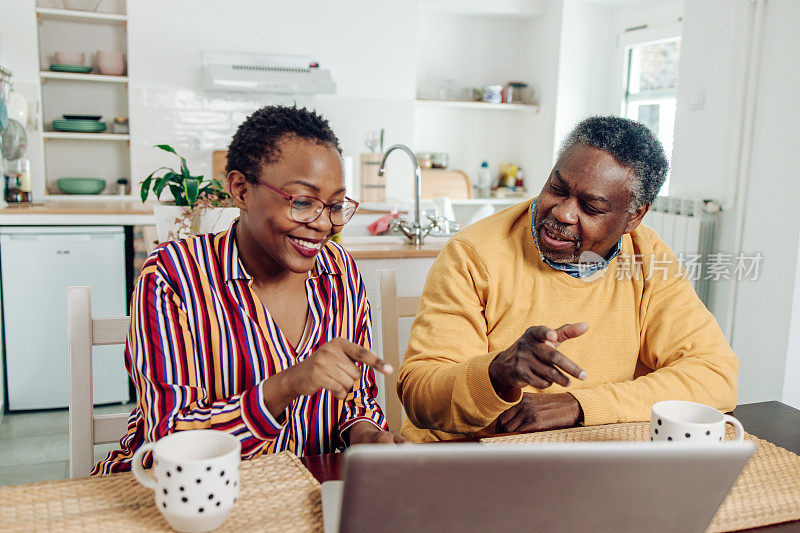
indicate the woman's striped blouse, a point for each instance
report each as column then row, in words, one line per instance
column 201, row 345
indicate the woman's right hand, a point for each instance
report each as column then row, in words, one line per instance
column 333, row 366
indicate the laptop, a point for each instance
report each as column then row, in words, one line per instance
column 592, row 487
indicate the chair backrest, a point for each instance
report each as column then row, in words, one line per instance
column 84, row 331
column 150, row 237
column 393, row 308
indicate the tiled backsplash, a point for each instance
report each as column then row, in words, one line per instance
column 197, row 122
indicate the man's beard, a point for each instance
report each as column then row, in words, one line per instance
column 563, row 230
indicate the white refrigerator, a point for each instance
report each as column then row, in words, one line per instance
column 37, row 265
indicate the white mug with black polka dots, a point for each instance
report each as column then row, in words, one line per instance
column 195, row 477
column 682, row 421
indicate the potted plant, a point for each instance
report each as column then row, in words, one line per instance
column 199, row 205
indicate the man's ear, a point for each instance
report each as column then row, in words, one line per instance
column 637, row 217
column 237, row 185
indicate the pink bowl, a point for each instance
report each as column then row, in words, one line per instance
column 110, row 62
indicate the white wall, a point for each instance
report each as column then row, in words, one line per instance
column 584, row 85
column 369, row 47
column 772, row 220
column 706, row 145
column 536, row 132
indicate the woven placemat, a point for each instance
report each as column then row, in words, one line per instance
column 277, row 494
column 766, row 492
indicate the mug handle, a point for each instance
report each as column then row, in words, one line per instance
column 728, row 420
column 138, row 468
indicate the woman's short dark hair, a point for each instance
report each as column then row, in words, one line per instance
column 257, row 139
column 632, row 144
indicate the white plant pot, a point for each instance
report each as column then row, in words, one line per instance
column 167, row 217
column 211, row 221
column 217, row 219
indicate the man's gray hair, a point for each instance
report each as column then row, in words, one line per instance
column 632, row 144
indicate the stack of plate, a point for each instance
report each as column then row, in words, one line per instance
column 80, row 69
column 80, row 123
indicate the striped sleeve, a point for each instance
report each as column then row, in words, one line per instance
column 360, row 404
column 170, row 375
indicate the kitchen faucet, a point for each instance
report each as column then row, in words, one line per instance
column 416, row 232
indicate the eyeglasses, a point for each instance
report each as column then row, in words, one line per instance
column 306, row 209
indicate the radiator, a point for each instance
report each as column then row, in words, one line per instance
column 687, row 226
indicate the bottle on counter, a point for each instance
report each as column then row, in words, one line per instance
column 484, row 181
column 520, row 183
column 17, row 177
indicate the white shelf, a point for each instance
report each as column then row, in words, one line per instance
column 71, row 14
column 86, row 136
column 478, row 105
column 51, row 75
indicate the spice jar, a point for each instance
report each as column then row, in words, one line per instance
column 120, row 125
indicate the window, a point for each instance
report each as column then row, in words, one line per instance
column 651, row 83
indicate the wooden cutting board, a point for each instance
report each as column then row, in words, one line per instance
column 453, row 184
column 218, row 162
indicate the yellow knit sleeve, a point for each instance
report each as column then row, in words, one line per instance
column 682, row 349
column 444, row 379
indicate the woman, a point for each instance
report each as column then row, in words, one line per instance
column 262, row 331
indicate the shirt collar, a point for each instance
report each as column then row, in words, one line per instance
column 233, row 268
column 576, row 270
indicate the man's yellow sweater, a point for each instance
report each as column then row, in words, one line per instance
column 650, row 338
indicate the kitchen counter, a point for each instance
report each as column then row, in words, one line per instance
column 78, row 213
column 384, row 250
column 133, row 212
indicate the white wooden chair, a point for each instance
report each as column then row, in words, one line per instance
column 150, row 237
column 84, row 331
column 393, row 308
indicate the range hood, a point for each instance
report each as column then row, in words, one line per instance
column 269, row 73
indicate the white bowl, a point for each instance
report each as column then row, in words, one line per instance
column 83, row 5
column 70, row 58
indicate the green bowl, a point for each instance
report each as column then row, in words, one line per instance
column 81, row 185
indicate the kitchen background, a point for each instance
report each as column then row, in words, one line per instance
column 735, row 118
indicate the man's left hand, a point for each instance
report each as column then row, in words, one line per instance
column 367, row 433
column 539, row 411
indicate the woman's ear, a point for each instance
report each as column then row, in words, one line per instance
column 237, row 185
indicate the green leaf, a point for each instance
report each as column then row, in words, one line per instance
column 166, row 148
column 144, row 192
column 184, row 169
column 177, row 193
column 190, row 187
column 162, row 182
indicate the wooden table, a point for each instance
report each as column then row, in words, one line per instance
column 772, row 421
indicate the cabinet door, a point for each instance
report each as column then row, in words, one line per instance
column 37, row 269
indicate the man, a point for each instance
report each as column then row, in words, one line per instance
column 485, row 356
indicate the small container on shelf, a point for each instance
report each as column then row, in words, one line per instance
column 493, row 94
column 424, row 160
column 439, row 159
column 122, row 186
column 120, row 125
